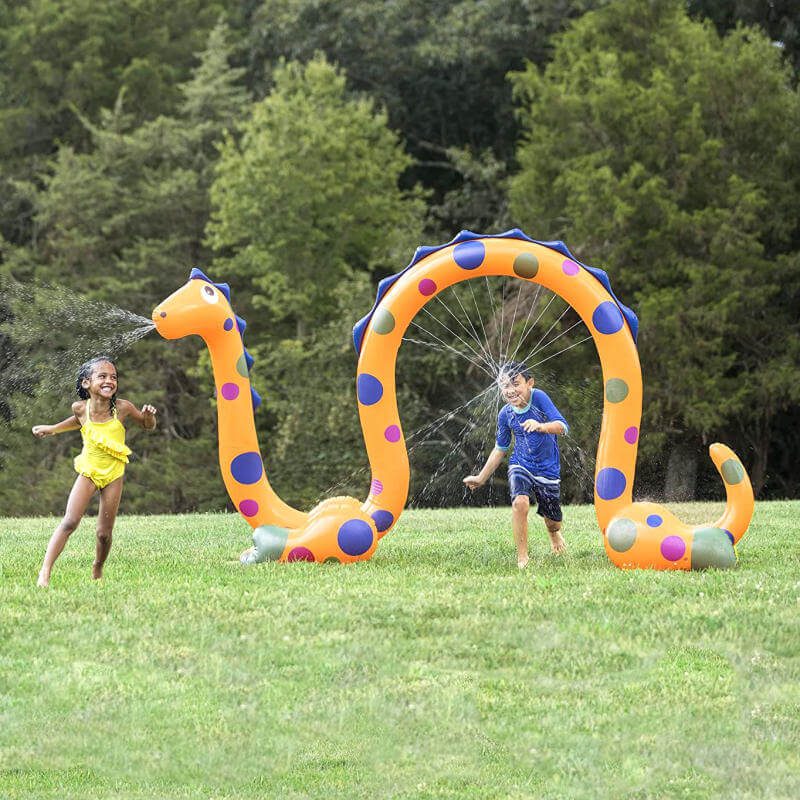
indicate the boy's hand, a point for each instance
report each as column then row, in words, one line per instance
column 40, row 431
column 531, row 426
column 473, row 482
column 149, row 416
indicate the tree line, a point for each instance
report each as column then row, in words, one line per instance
column 301, row 151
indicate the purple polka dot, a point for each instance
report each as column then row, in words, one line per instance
column 611, row 483
column 376, row 487
column 607, row 318
column 230, row 391
column 248, row 507
column 631, row 435
column 427, row 287
column 355, row 537
column 383, row 520
column 673, row 548
column 247, row 468
column 469, row 255
column 730, row 536
column 369, row 389
column 392, row 433
column 569, row 267
column 228, row 324
column 300, row 554
column 654, row 520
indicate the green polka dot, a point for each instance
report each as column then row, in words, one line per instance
column 732, row 471
column 711, row 547
column 526, row 265
column 270, row 542
column 382, row 321
column 616, row 390
column 241, row 367
column 331, row 560
column 622, row 534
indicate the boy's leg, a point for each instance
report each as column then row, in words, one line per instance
column 556, row 539
column 79, row 497
column 549, row 500
column 106, row 517
column 519, row 524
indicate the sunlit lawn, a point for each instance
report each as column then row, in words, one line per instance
column 435, row 670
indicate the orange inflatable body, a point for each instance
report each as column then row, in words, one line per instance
column 344, row 529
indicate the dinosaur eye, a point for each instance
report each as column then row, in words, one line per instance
column 209, row 295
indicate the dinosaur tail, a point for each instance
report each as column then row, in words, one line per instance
column 740, row 502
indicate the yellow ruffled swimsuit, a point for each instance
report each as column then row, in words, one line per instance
column 104, row 453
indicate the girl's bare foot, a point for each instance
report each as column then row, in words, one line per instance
column 557, row 543
column 522, row 562
column 97, row 572
column 44, row 580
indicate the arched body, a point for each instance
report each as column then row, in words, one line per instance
column 343, row 529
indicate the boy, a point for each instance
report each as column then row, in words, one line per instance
column 534, row 469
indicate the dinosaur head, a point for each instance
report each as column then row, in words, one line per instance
column 198, row 307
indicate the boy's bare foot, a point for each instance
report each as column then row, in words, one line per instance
column 97, row 572
column 557, row 543
column 44, row 580
column 522, row 562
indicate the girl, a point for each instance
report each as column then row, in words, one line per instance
column 101, row 463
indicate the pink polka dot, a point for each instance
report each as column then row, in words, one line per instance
column 427, row 287
column 300, row 554
column 376, row 487
column 230, row 391
column 631, row 435
column 673, row 548
column 569, row 267
column 248, row 507
column 392, row 433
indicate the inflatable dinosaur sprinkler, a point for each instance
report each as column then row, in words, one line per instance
column 636, row 535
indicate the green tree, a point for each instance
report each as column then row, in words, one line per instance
column 670, row 155
column 123, row 223
column 309, row 194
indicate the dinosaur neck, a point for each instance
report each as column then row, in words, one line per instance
column 239, row 454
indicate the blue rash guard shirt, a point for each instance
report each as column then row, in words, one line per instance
column 534, row 453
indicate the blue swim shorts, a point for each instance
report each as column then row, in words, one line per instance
column 547, row 495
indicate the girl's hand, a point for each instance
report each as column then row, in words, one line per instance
column 531, row 425
column 149, row 417
column 40, row 431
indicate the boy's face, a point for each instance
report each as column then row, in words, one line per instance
column 516, row 390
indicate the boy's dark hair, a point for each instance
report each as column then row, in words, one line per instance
column 85, row 372
column 514, row 368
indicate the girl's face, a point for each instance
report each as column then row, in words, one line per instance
column 102, row 383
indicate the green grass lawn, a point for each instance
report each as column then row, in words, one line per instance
column 437, row 670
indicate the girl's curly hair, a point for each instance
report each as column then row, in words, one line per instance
column 85, row 373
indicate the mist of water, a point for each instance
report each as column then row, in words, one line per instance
column 48, row 332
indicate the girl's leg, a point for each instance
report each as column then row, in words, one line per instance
column 82, row 491
column 106, row 517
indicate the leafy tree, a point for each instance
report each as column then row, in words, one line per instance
column 669, row 154
column 437, row 66
column 309, row 194
column 124, row 222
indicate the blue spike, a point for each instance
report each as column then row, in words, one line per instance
column 225, row 289
column 249, row 360
column 241, row 323
column 198, row 274
column 256, row 398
